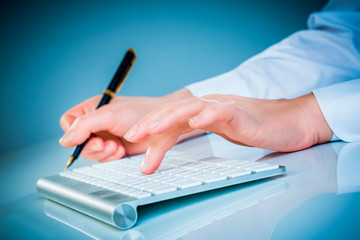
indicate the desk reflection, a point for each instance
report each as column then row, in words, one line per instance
column 247, row 211
column 174, row 218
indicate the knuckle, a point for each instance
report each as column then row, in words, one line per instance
column 212, row 96
column 166, row 106
column 109, row 113
column 213, row 110
column 225, row 98
column 195, row 98
column 201, row 102
column 96, row 98
column 169, row 112
column 229, row 98
column 169, row 105
column 230, row 104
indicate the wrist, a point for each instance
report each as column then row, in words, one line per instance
column 317, row 124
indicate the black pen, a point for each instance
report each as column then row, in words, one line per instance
column 109, row 93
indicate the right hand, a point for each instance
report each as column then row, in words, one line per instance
column 109, row 124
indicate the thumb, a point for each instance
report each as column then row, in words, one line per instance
column 100, row 120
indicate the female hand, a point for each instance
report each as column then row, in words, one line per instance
column 109, row 124
column 281, row 125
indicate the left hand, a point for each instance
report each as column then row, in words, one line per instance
column 280, row 125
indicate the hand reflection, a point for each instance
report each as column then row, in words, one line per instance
column 310, row 173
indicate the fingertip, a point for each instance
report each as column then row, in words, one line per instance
column 151, row 161
column 110, row 147
column 67, row 139
column 148, row 170
column 131, row 133
column 63, row 123
column 94, row 145
column 136, row 134
column 120, row 153
column 196, row 122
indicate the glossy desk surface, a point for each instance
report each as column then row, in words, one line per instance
column 318, row 198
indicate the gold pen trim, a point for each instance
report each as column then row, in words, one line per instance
column 109, row 92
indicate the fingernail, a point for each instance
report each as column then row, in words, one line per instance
column 154, row 124
column 131, row 133
column 67, row 138
column 74, row 124
column 96, row 147
column 195, row 119
column 146, row 161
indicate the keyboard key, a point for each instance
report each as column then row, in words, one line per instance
column 218, row 161
column 216, row 169
column 264, row 167
column 178, row 171
column 141, row 194
column 248, row 165
column 162, row 189
column 186, row 183
column 209, row 178
column 236, row 173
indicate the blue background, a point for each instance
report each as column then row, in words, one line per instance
column 55, row 54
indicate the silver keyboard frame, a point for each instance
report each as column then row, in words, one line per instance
column 121, row 210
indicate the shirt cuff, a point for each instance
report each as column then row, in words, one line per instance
column 340, row 105
column 334, row 138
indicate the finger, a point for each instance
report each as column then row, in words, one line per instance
column 158, row 146
column 101, row 120
column 226, row 118
column 94, row 145
column 166, row 117
column 110, row 148
column 136, row 148
column 66, row 121
column 219, row 112
column 120, row 153
column 68, row 117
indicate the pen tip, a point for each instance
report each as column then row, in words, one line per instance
column 71, row 160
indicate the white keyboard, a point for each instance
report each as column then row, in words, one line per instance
column 112, row 191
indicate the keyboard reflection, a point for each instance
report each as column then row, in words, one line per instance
column 173, row 218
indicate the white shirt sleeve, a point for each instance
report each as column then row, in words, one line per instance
column 340, row 105
column 323, row 59
column 327, row 53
